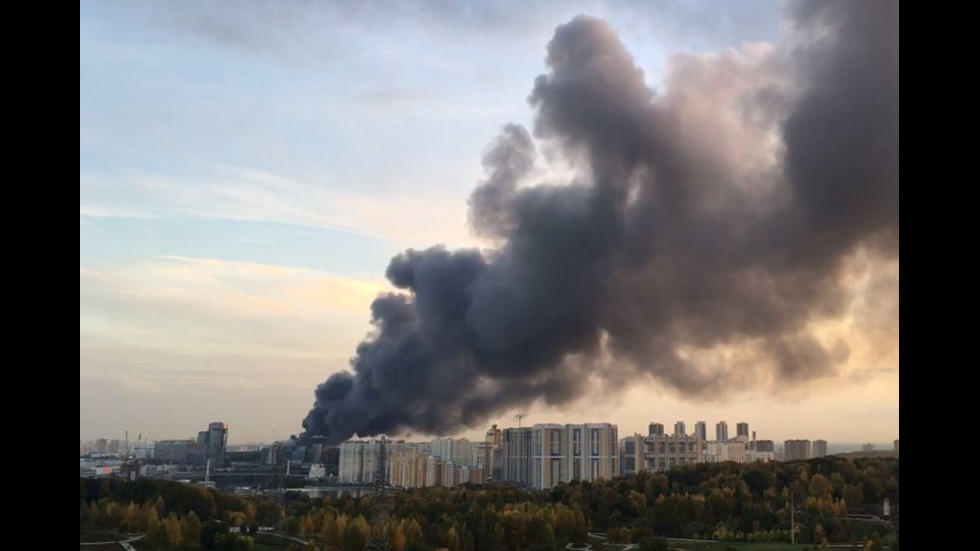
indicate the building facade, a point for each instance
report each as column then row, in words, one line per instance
column 819, row 448
column 721, row 431
column 701, row 430
column 719, row 452
column 492, row 442
column 212, row 443
column 362, row 462
column 174, row 451
column 796, row 449
column 406, row 466
column 660, row 453
column 742, row 429
column 547, row 454
column 516, row 456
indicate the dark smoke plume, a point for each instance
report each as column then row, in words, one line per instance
column 707, row 234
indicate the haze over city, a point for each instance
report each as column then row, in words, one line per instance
column 617, row 211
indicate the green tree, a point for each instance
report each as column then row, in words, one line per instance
column 853, row 496
column 293, row 526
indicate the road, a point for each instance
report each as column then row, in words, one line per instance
column 127, row 545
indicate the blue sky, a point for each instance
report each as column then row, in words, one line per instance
column 247, row 169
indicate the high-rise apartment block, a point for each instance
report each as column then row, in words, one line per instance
column 406, row 465
column 796, row 449
column 516, row 456
column 547, row 454
column 721, row 451
column 819, row 448
column 211, row 444
column 680, row 429
column 742, row 429
column 656, row 429
column 362, row 462
column 493, row 439
column 659, row 453
column 460, row 451
column 721, row 431
column 701, row 430
column 562, row 453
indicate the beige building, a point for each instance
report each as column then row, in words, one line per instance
column 407, row 466
column 433, row 471
column 719, row 452
column 361, row 461
column 562, row 453
column 819, row 448
column 751, row 456
column 458, row 450
column 492, row 442
column 796, row 449
column 660, row 453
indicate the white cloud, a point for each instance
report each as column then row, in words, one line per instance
column 235, row 193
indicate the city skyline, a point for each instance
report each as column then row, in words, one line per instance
column 245, row 179
column 478, row 434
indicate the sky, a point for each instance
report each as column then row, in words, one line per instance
column 247, row 170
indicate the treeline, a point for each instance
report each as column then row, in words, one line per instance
column 721, row 501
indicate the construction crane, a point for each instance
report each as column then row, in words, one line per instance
column 519, row 416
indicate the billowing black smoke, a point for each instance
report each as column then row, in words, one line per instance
column 704, row 238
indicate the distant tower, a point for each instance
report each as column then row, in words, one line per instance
column 656, row 429
column 680, row 429
column 493, row 439
column 721, row 431
column 211, row 444
column 742, row 429
column 818, row 448
column 701, row 430
column 796, row 449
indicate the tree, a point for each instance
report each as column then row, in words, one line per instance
column 236, row 518
column 873, row 543
column 398, row 539
column 173, row 531
column 853, row 496
column 328, row 529
column 190, row 527
column 211, row 533
column 820, row 487
column 293, row 526
column 356, row 535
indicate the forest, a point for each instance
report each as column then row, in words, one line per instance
column 834, row 500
